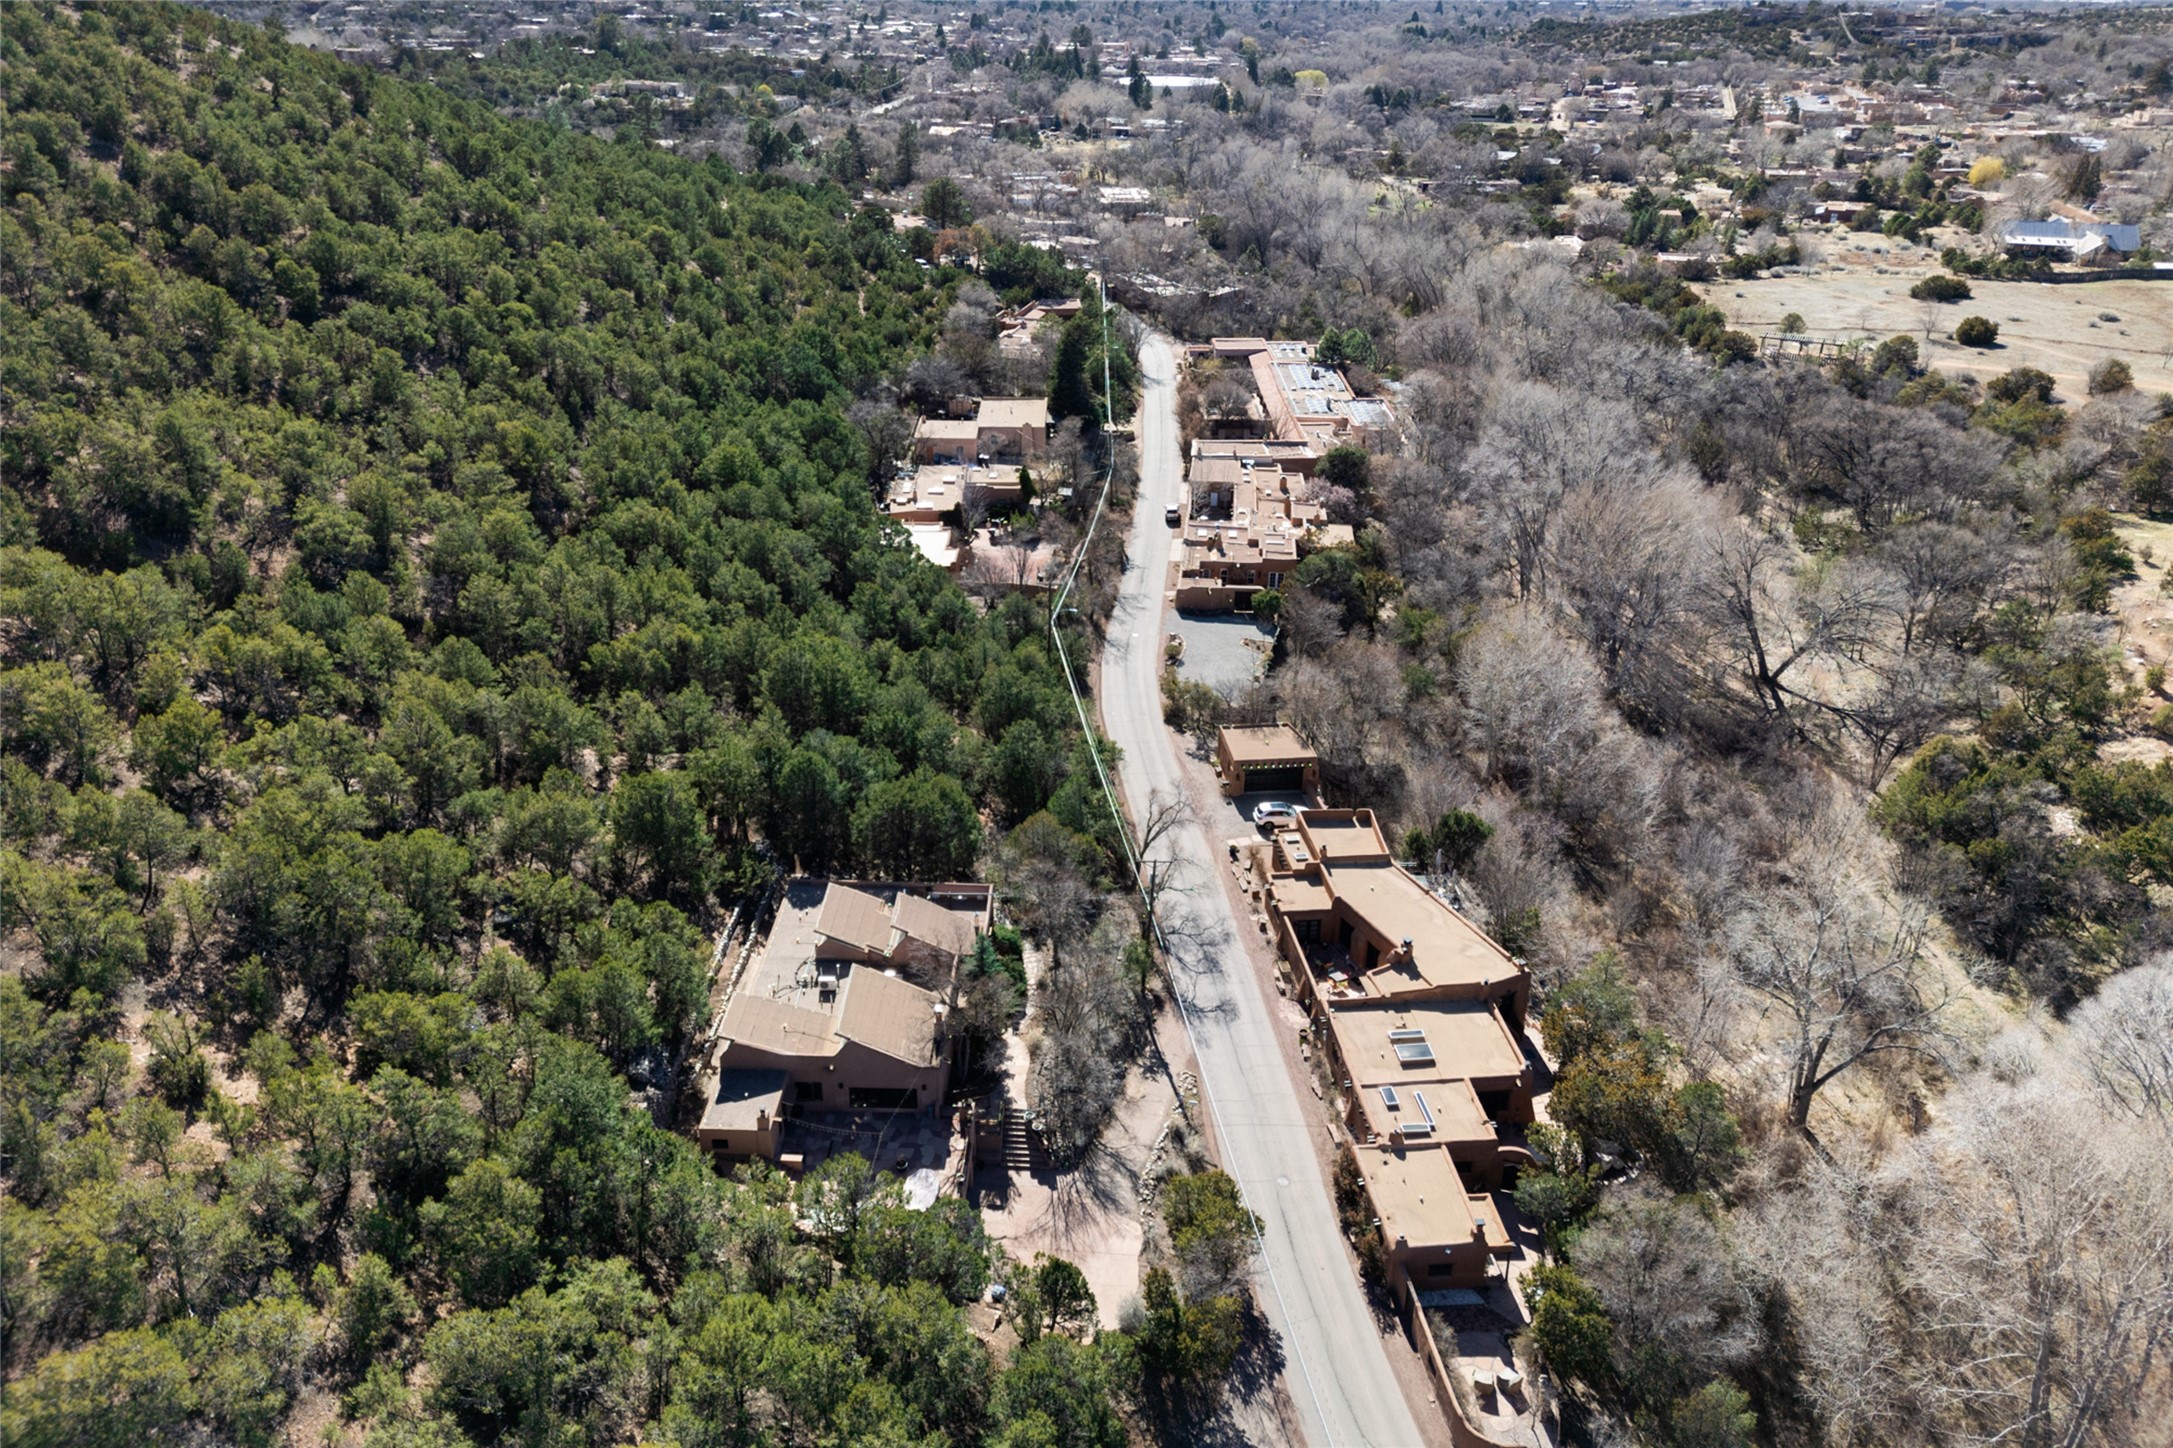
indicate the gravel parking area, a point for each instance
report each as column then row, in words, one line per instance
column 1225, row 651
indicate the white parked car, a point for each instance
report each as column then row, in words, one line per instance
column 1276, row 814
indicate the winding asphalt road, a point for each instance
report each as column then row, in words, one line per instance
column 1335, row 1356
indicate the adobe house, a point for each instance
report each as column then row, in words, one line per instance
column 1417, row 1011
column 1434, row 1073
column 1223, row 564
column 876, row 1043
column 1012, row 429
column 1005, row 431
column 1436, row 1234
column 1265, row 758
column 1358, row 928
column 845, row 1009
column 945, row 440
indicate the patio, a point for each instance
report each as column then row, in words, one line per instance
column 903, row 1143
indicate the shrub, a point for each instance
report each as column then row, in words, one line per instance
column 2110, row 376
column 1977, row 332
column 1347, row 467
column 178, row 1069
column 1941, row 289
column 1895, row 354
column 2149, row 482
column 2019, row 385
column 1211, row 1229
column 1732, row 347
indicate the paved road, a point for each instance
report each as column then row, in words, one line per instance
column 1337, row 1368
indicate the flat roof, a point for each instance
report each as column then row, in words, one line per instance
column 1265, row 744
column 1013, row 412
column 948, row 429
column 1347, row 835
column 1257, row 448
column 1446, row 948
column 934, row 542
column 1418, row 1195
column 1442, row 1111
column 994, row 476
column 1424, row 1040
column 742, row 1100
column 1219, row 471
column 1297, row 895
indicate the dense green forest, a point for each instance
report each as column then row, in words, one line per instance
column 555, row 72
column 437, row 569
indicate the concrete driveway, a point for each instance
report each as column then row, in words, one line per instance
column 1227, row 652
column 1339, row 1373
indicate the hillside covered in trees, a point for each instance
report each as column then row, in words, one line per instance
column 434, row 551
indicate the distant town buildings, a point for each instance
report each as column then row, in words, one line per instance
column 2077, row 241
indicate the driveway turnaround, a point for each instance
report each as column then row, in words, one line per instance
column 1336, row 1359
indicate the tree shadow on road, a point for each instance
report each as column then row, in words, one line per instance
column 1250, row 1406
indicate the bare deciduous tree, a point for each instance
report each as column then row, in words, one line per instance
column 2124, row 1042
column 1160, row 871
column 1837, row 966
column 1627, row 561
column 1775, row 622
column 2040, row 1276
column 1084, row 1011
column 1668, row 1282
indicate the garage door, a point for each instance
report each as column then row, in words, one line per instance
column 1280, row 779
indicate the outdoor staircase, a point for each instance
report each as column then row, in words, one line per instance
column 1022, row 1150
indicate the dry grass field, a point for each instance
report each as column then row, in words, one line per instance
column 2060, row 329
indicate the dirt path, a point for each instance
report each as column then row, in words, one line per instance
column 1091, row 1215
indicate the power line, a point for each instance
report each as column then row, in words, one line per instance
column 1131, row 853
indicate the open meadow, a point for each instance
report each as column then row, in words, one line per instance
column 2062, row 329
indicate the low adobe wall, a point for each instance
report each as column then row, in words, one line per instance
column 1462, row 1432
